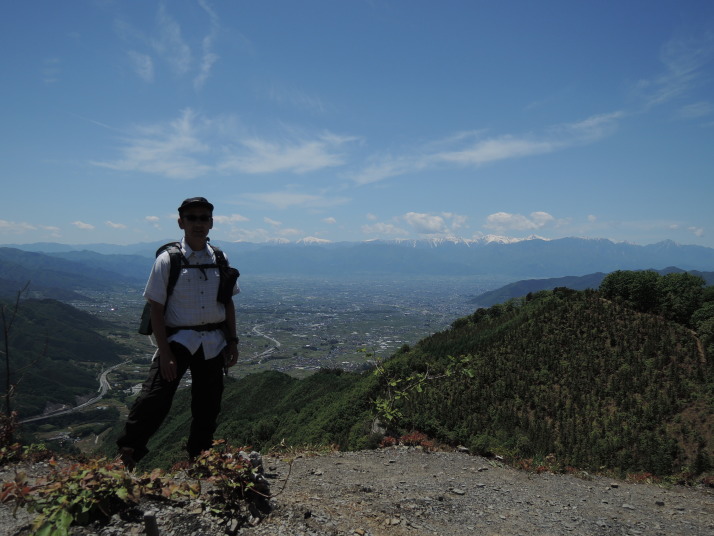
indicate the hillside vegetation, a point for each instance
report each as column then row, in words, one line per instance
column 590, row 379
column 56, row 353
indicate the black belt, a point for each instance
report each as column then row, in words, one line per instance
column 172, row 330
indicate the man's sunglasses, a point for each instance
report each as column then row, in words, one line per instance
column 193, row 217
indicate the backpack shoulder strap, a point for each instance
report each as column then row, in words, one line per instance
column 220, row 257
column 176, row 258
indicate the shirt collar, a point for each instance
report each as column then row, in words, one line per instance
column 187, row 251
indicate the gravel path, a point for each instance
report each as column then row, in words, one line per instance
column 405, row 491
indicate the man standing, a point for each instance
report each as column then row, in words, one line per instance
column 192, row 330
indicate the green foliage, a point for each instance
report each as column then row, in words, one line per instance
column 676, row 296
column 48, row 343
column 98, row 488
column 267, row 409
column 82, row 493
column 637, row 290
column 236, row 481
column 564, row 373
column 680, row 295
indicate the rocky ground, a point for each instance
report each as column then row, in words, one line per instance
column 406, row 491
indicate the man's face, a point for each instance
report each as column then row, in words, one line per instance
column 196, row 222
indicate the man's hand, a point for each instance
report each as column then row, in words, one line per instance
column 168, row 366
column 231, row 354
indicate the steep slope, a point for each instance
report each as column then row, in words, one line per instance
column 573, row 375
column 565, row 376
column 56, row 354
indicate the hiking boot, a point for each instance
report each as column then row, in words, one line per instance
column 126, row 456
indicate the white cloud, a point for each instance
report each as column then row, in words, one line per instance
column 232, row 218
column 296, row 99
column 444, row 224
column 143, row 65
column 297, row 156
column 115, row 225
column 274, row 223
column 193, row 146
column 372, row 217
column 696, row 110
column 154, row 221
column 171, row 150
column 289, row 232
column 84, row 226
column 51, row 70
column 330, row 220
column 425, row 223
column 287, row 199
column 170, row 44
column 697, row 231
column 504, row 221
column 683, row 62
column 208, row 57
column 385, row 167
column 474, row 149
column 15, row 227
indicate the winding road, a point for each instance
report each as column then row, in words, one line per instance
column 104, row 387
column 269, row 351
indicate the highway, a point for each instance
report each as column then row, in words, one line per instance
column 104, row 387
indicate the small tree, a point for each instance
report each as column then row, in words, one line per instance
column 8, row 316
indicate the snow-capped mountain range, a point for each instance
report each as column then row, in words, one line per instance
column 511, row 258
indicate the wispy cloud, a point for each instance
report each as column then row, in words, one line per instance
column 296, row 98
column 296, row 155
column 171, row 150
column 82, row 225
column 12, row 227
column 51, row 70
column 287, row 199
column 475, row 149
column 143, row 65
column 696, row 110
column 208, row 56
column 114, row 225
column 683, row 61
column 170, row 44
column 193, row 146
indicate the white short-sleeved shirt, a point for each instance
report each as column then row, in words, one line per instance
column 193, row 300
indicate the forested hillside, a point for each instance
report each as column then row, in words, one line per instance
column 570, row 374
column 582, row 378
column 521, row 288
column 56, row 353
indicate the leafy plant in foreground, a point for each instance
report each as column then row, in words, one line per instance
column 235, row 478
column 82, row 493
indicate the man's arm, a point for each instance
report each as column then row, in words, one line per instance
column 232, row 356
column 167, row 363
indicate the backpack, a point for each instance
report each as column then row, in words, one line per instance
column 228, row 278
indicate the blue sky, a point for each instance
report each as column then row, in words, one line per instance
column 358, row 119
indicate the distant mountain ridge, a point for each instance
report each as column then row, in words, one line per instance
column 522, row 288
column 523, row 259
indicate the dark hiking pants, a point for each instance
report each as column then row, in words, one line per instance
column 154, row 402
